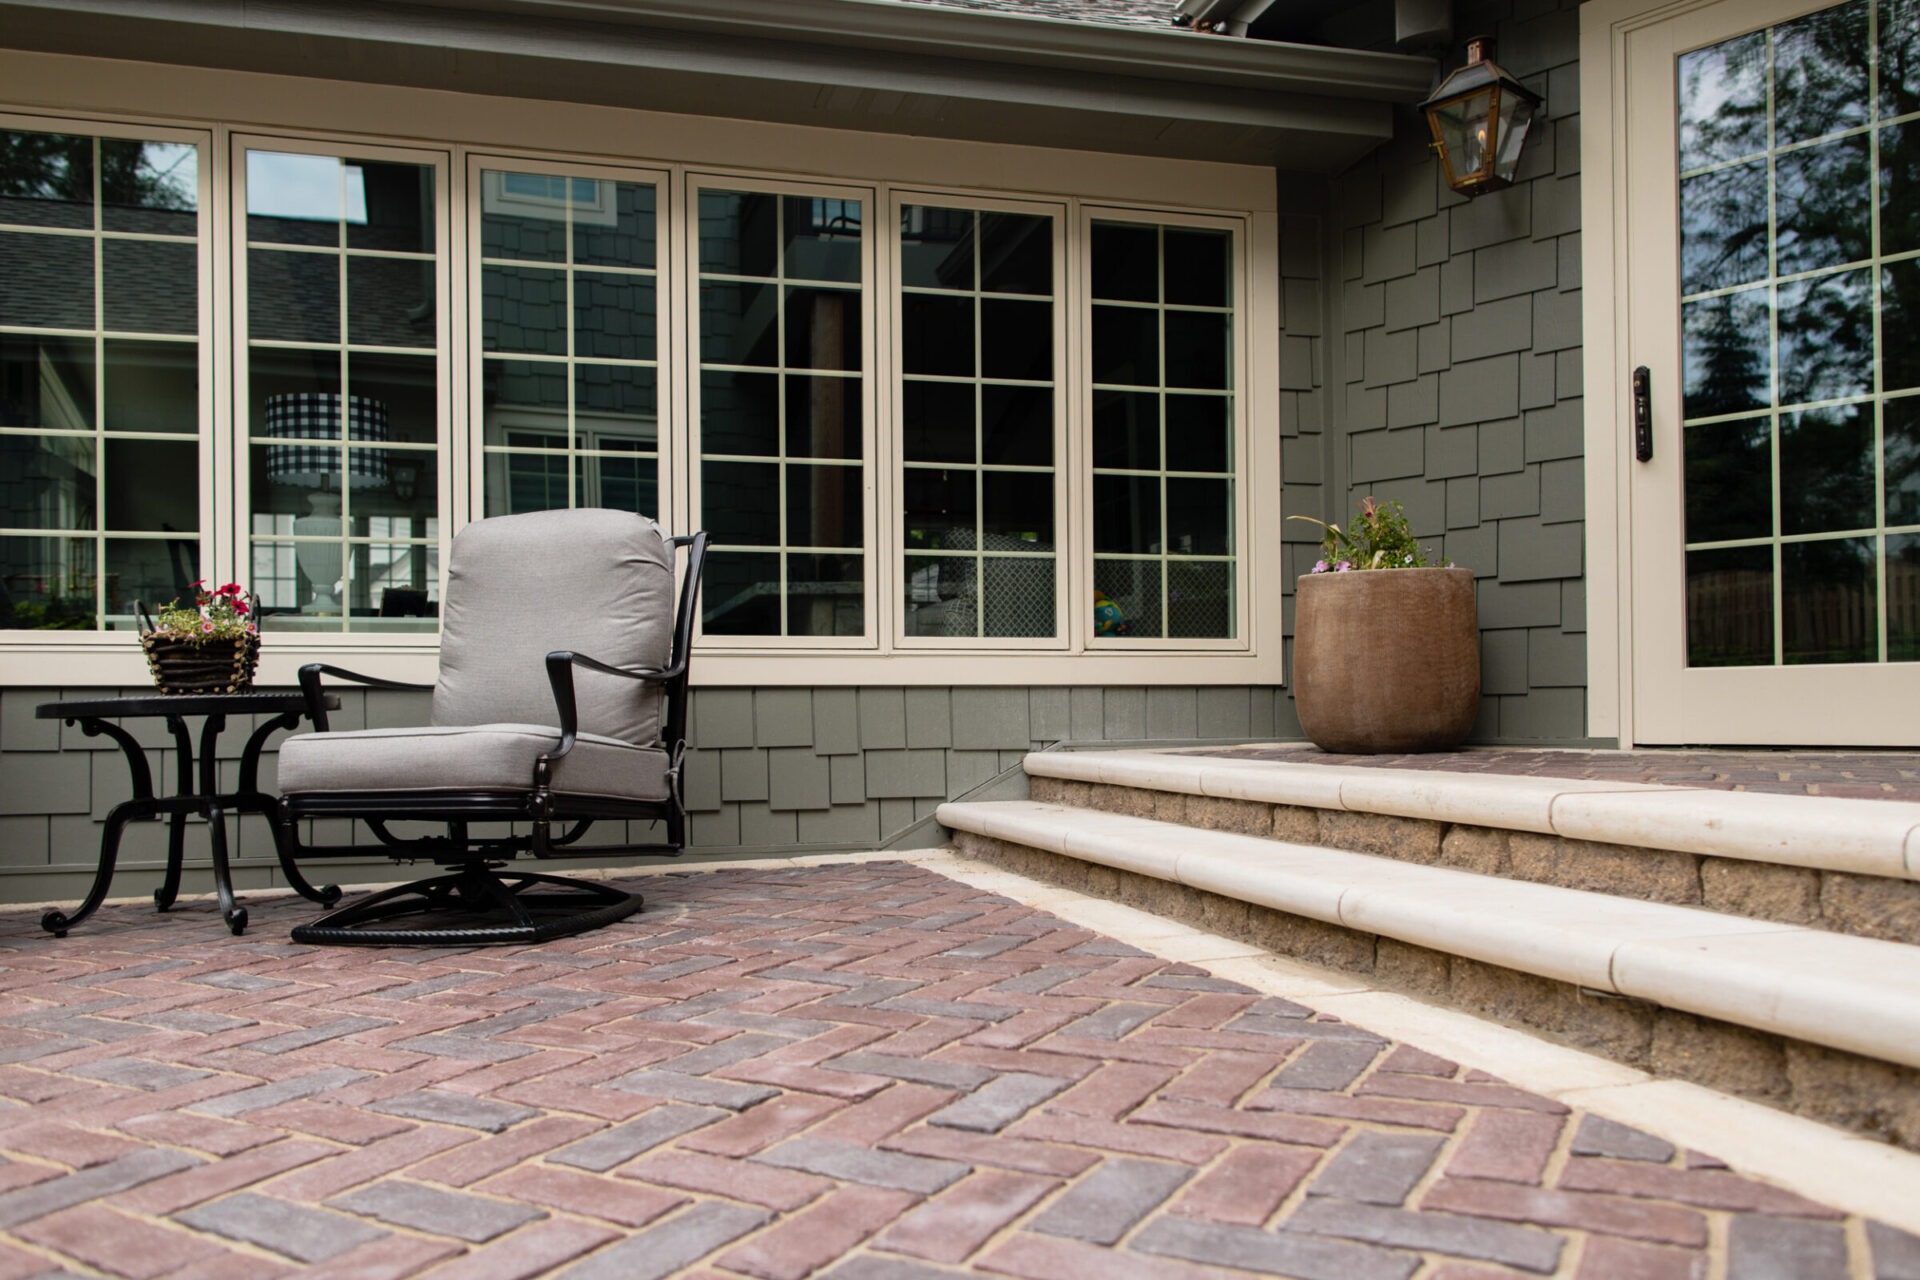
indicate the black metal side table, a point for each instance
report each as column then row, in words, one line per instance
column 195, row 792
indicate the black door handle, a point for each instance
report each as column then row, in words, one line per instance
column 1643, row 414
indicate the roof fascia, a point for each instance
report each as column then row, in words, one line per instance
column 1140, row 52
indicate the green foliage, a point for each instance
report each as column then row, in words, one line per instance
column 1379, row 538
column 225, row 614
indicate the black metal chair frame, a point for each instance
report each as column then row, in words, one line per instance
column 477, row 886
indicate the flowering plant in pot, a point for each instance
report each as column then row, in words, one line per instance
column 209, row 646
column 1386, row 644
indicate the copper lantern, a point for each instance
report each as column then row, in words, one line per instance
column 1480, row 116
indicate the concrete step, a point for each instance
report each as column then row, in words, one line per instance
column 1814, row 1021
column 1845, row 865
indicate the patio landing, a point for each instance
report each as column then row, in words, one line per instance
column 865, row 1070
column 1857, row 775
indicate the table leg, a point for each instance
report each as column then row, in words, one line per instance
column 216, row 814
column 169, row 889
column 176, row 856
column 230, row 911
column 57, row 922
column 284, row 841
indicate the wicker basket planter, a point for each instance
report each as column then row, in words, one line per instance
column 222, row 665
column 218, row 666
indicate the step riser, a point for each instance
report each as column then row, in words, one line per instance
column 1877, row 1099
column 1865, row 906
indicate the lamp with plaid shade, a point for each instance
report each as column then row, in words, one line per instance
column 315, row 416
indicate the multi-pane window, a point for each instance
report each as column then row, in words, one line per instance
column 1163, row 431
column 343, row 404
column 569, row 341
column 977, row 425
column 1799, row 162
column 1044, row 397
column 782, row 413
column 100, row 370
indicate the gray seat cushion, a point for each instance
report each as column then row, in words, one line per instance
column 467, row 758
column 519, row 587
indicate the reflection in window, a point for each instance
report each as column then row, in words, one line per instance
column 569, row 379
column 978, row 430
column 782, row 414
column 342, row 389
column 1800, row 302
column 99, row 383
column 1163, row 432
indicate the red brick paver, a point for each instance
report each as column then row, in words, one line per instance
column 858, row 1072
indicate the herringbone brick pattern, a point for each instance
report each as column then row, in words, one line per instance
column 854, row 1071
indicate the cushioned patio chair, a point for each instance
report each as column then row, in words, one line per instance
column 561, row 702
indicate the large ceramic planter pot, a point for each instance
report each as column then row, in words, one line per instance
column 1386, row 660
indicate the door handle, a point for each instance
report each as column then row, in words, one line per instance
column 1643, row 414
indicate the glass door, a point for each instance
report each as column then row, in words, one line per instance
column 1776, row 306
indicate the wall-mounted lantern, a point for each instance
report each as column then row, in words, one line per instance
column 1480, row 116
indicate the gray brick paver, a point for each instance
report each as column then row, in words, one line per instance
column 442, row 1107
column 700, row 1090
column 1523, row 1247
column 671, row 1246
column 1274, row 1253
column 268, row 1095
column 999, row 1102
column 940, row 1074
column 303, row 1234
column 130, row 1170
column 1763, row 1248
column 617, row 1145
column 1104, row 1205
column 855, row 1163
column 699, row 1062
column 1896, row 1253
column 305, row 1036
column 475, row 1219
column 1378, row 1168
column 1598, row 1136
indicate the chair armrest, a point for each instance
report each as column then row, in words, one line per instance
column 316, row 700
column 560, row 665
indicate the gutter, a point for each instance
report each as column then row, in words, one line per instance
column 1167, row 54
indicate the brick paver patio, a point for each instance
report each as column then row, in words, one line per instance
column 1870, row 775
column 863, row 1071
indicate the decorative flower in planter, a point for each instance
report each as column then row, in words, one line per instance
column 1380, row 538
column 1384, row 662
column 209, row 646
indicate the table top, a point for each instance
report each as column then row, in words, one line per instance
column 181, row 704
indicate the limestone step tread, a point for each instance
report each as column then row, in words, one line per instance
column 1856, row 994
column 1825, row 833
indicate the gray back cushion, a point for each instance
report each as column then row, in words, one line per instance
column 518, row 587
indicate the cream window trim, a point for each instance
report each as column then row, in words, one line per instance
column 870, row 285
column 1246, row 319
column 23, row 649
column 486, row 462
column 1066, row 368
column 449, row 455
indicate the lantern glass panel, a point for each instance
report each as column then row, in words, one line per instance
column 1462, row 125
column 1516, row 114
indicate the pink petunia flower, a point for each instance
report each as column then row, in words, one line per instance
column 1343, row 566
column 1319, row 566
column 206, row 628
